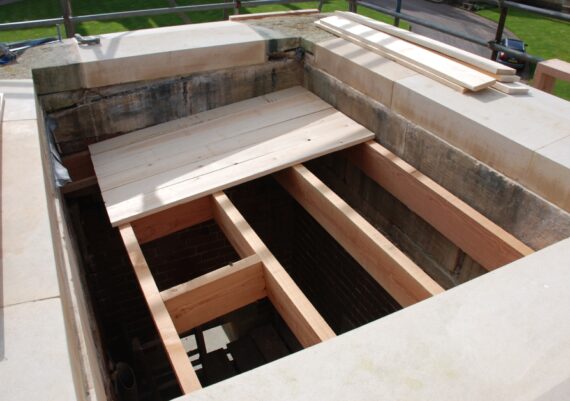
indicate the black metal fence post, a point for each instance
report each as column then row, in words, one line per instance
column 67, row 22
column 500, row 27
column 398, row 10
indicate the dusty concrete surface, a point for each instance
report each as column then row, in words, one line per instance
column 49, row 55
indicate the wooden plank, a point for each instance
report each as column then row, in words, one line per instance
column 79, row 165
column 175, row 350
column 300, row 315
column 481, row 63
column 168, row 221
column 395, row 272
column 291, row 13
column 483, row 240
column 398, row 60
column 513, row 88
column 416, row 55
column 277, row 147
column 214, row 294
column 78, row 185
column 116, row 146
column 175, row 148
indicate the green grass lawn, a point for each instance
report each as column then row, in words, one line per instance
column 40, row 9
column 546, row 38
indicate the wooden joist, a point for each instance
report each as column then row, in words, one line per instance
column 81, row 172
column 300, row 315
column 480, row 238
column 409, row 54
column 177, row 355
column 393, row 270
column 168, row 221
column 215, row 294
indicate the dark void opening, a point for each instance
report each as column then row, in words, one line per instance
column 231, row 344
column 341, row 290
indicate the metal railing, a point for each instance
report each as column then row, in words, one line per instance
column 493, row 44
column 70, row 20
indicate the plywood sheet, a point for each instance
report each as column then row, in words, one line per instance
column 157, row 168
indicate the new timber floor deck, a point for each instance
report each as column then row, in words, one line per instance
column 158, row 167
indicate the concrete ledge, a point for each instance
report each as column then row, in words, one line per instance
column 34, row 353
column 365, row 71
column 155, row 53
column 503, row 131
column 503, row 336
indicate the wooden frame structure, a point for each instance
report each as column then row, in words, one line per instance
column 479, row 237
column 259, row 274
column 169, row 177
column 188, row 305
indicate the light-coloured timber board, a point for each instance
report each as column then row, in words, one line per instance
column 392, row 57
column 417, row 55
column 175, row 350
column 512, row 88
column 480, row 238
column 175, row 165
column 201, row 141
column 215, row 294
column 362, row 69
column 393, row 270
column 291, row 13
column 472, row 59
column 168, row 221
column 115, row 145
column 300, row 315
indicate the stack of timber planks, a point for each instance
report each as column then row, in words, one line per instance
column 456, row 68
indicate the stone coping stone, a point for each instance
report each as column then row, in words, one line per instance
column 503, row 336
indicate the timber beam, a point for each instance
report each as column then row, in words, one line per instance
column 300, row 315
column 487, row 243
column 174, row 219
column 215, row 294
column 393, row 270
column 179, row 361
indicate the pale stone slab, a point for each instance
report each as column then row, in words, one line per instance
column 19, row 99
column 500, row 130
column 28, row 268
column 503, row 336
column 362, row 69
column 170, row 51
column 550, row 171
column 35, row 362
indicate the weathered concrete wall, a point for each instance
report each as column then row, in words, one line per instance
column 522, row 213
column 82, row 117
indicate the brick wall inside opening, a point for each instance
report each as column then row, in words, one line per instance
column 341, row 290
column 120, row 310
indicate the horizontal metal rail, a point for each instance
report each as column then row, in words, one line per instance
column 536, row 10
column 31, row 24
column 143, row 13
column 490, row 44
